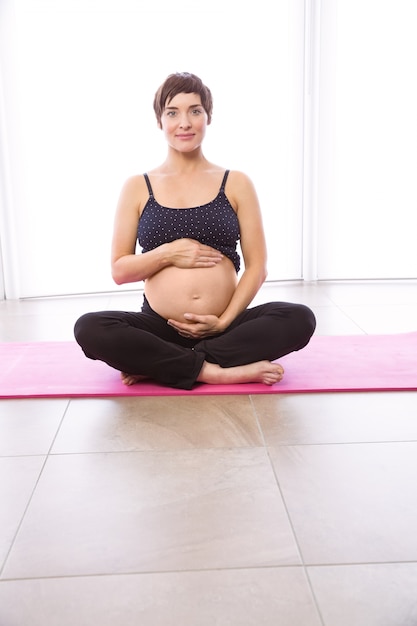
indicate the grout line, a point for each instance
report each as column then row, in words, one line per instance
column 294, row 534
column 30, row 498
column 209, row 569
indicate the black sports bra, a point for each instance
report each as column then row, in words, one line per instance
column 214, row 224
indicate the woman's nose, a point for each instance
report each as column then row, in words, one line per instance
column 184, row 121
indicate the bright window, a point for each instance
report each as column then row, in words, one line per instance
column 368, row 136
column 84, row 75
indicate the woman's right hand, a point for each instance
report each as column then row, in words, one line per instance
column 189, row 253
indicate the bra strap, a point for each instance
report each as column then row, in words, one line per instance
column 148, row 183
column 226, row 174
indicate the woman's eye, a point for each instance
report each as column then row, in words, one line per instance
column 170, row 113
column 197, row 111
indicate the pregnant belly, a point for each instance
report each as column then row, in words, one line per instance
column 203, row 291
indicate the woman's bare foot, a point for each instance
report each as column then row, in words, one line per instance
column 131, row 379
column 260, row 372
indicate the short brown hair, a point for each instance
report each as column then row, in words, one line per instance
column 182, row 82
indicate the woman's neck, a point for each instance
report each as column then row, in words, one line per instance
column 184, row 162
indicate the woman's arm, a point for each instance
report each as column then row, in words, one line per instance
column 243, row 197
column 128, row 267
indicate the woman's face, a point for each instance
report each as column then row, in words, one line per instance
column 184, row 122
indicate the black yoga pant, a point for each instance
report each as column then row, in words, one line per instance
column 144, row 344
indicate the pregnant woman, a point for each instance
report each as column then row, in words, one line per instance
column 187, row 215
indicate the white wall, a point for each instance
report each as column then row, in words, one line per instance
column 10, row 154
column 86, row 72
column 314, row 99
column 367, row 198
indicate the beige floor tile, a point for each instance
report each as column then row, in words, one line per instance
column 28, row 426
column 18, row 476
column 389, row 318
column 370, row 292
column 256, row 597
column 367, row 595
column 43, row 327
column 153, row 511
column 70, row 305
column 293, row 291
column 45, row 319
column 333, row 321
column 351, row 503
column 311, row 418
column 105, row 425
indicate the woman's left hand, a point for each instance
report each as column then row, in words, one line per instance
column 197, row 326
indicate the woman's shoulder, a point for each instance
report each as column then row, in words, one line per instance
column 239, row 181
column 135, row 180
column 134, row 194
column 135, row 185
column 241, row 192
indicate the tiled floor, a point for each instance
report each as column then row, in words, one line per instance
column 275, row 510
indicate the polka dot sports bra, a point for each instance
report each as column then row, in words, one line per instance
column 214, row 224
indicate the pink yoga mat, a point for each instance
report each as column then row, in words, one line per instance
column 328, row 363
